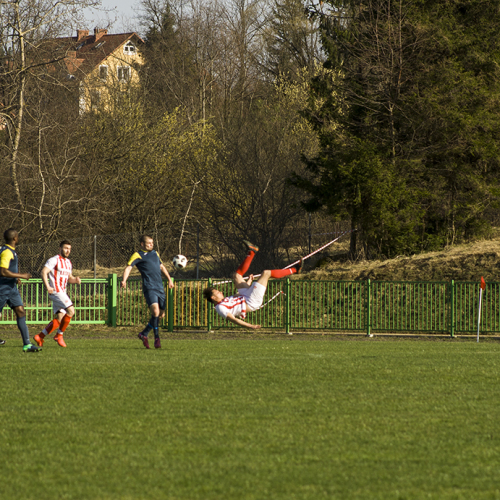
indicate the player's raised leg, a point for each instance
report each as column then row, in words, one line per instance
column 245, row 265
column 279, row 273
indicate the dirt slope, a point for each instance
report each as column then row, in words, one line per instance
column 460, row 262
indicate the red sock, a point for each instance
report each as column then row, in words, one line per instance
column 54, row 325
column 246, row 263
column 281, row 273
column 64, row 323
column 46, row 329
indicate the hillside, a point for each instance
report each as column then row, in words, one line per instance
column 466, row 262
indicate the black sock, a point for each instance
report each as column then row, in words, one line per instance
column 23, row 328
column 156, row 322
column 148, row 328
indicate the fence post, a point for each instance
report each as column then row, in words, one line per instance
column 287, row 306
column 209, row 309
column 95, row 257
column 198, row 251
column 170, row 305
column 452, row 308
column 112, row 296
column 369, row 308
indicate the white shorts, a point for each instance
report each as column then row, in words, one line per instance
column 254, row 296
column 60, row 301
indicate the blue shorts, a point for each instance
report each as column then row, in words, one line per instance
column 155, row 297
column 11, row 297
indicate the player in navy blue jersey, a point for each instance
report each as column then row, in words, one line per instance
column 10, row 277
column 151, row 268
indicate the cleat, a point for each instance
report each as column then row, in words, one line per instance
column 298, row 267
column 144, row 339
column 31, row 348
column 157, row 343
column 59, row 339
column 2, row 342
column 39, row 339
column 251, row 246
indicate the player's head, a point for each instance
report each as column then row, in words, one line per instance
column 147, row 242
column 10, row 236
column 213, row 295
column 65, row 248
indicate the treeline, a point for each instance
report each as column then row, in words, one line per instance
column 250, row 113
column 408, row 120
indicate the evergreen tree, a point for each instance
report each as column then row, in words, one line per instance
column 292, row 41
column 169, row 74
column 405, row 113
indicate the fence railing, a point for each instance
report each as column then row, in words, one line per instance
column 90, row 299
column 296, row 305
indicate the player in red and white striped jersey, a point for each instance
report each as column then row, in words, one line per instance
column 56, row 274
column 250, row 295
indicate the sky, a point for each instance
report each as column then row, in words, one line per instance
column 122, row 16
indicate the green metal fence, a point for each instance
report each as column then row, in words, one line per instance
column 293, row 305
column 90, row 299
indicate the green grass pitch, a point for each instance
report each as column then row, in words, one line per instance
column 250, row 417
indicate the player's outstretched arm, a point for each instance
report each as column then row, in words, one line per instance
column 9, row 274
column 126, row 274
column 165, row 273
column 240, row 322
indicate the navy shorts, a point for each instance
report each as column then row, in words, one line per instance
column 11, row 297
column 155, row 297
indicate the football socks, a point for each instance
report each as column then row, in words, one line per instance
column 155, row 321
column 64, row 323
column 246, row 263
column 23, row 328
column 281, row 273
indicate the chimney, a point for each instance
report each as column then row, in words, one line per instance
column 81, row 34
column 98, row 33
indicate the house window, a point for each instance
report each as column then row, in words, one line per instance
column 103, row 73
column 95, row 99
column 121, row 99
column 129, row 48
column 124, row 73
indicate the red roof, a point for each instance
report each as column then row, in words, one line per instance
column 85, row 52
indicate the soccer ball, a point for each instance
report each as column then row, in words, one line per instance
column 179, row 262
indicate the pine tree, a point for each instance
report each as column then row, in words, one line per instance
column 405, row 114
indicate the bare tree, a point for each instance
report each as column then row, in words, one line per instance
column 27, row 30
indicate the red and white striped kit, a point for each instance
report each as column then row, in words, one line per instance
column 61, row 269
column 235, row 304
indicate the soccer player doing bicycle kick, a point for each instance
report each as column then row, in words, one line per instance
column 250, row 295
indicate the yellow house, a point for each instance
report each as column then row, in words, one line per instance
column 105, row 66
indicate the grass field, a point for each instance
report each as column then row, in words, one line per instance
column 250, row 417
